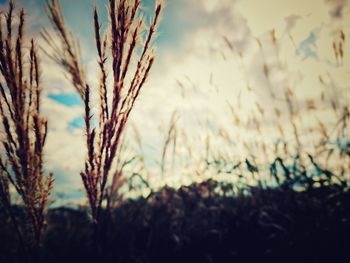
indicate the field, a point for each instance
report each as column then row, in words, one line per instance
column 219, row 137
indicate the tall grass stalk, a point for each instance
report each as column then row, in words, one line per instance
column 121, row 45
column 24, row 130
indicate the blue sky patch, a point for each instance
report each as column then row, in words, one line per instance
column 306, row 47
column 67, row 99
column 76, row 123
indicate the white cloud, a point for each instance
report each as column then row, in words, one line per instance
column 65, row 149
column 208, row 73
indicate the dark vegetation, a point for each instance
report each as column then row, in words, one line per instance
column 204, row 222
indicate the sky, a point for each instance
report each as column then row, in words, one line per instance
column 196, row 73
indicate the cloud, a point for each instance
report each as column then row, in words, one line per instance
column 210, row 74
column 197, row 74
column 337, row 7
column 291, row 21
column 65, row 148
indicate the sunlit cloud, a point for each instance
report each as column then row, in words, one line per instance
column 196, row 73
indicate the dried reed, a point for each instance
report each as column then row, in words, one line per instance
column 24, row 129
column 123, row 43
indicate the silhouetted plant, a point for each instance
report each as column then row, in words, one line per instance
column 124, row 44
column 25, row 130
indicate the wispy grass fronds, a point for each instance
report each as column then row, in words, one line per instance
column 305, row 145
column 123, row 43
column 24, row 128
column 171, row 138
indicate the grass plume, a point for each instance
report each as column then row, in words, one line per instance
column 24, row 129
column 121, row 43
